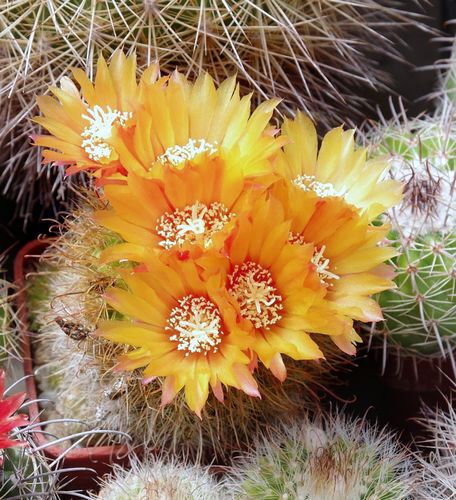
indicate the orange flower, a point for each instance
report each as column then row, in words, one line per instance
column 184, row 329
column 83, row 124
column 118, row 126
column 338, row 168
column 187, row 210
column 276, row 287
column 347, row 254
column 181, row 120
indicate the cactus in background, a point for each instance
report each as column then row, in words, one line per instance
column 8, row 323
column 160, row 478
column 438, row 457
column 334, row 458
column 75, row 370
column 312, row 54
column 420, row 314
column 446, row 89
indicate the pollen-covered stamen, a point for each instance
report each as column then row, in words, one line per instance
column 100, row 129
column 195, row 223
column 310, row 183
column 322, row 266
column 196, row 324
column 253, row 288
column 296, row 238
column 176, row 155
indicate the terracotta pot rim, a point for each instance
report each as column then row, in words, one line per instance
column 105, row 454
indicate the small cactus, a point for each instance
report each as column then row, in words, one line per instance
column 420, row 314
column 438, row 454
column 161, row 478
column 335, row 458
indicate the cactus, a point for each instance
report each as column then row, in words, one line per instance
column 160, row 478
column 76, row 370
column 334, row 458
column 8, row 324
column 420, row 315
column 438, row 454
column 311, row 54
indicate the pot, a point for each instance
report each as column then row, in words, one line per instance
column 98, row 459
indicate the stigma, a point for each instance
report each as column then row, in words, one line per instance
column 322, row 264
column 196, row 325
column 258, row 298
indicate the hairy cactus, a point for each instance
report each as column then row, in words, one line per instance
column 77, row 370
column 420, row 314
column 438, row 457
column 8, row 323
column 313, row 54
column 160, row 478
column 335, row 458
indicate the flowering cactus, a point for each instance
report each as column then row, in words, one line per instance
column 311, row 54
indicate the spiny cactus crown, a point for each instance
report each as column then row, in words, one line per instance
column 420, row 315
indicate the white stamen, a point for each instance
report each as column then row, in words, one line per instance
column 176, row 155
column 195, row 223
column 253, row 288
column 198, row 325
column 322, row 265
column 100, row 129
column 322, row 189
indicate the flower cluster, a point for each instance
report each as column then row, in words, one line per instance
column 249, row 241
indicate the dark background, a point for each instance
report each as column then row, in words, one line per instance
column 411, row 82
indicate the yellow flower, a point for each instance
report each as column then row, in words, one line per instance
column 179, row 121
column 347, row 253
column 83, row 123
column 188, row 210
column 338, row 168
column 184, row 329
column 118, row 126
column 276, row 287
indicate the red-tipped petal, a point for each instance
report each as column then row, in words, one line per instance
column 278, row 368
column 168, row 391
column 217, row 389
column 245, row 380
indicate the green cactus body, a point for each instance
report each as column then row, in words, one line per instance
column 420, row 314
column 338, row 459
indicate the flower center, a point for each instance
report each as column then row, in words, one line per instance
column 197, row 325
column 310, row 183
column 253, row 288
column 322, row 266
column 176, row 155
column 100, row 129
column 195, row 223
